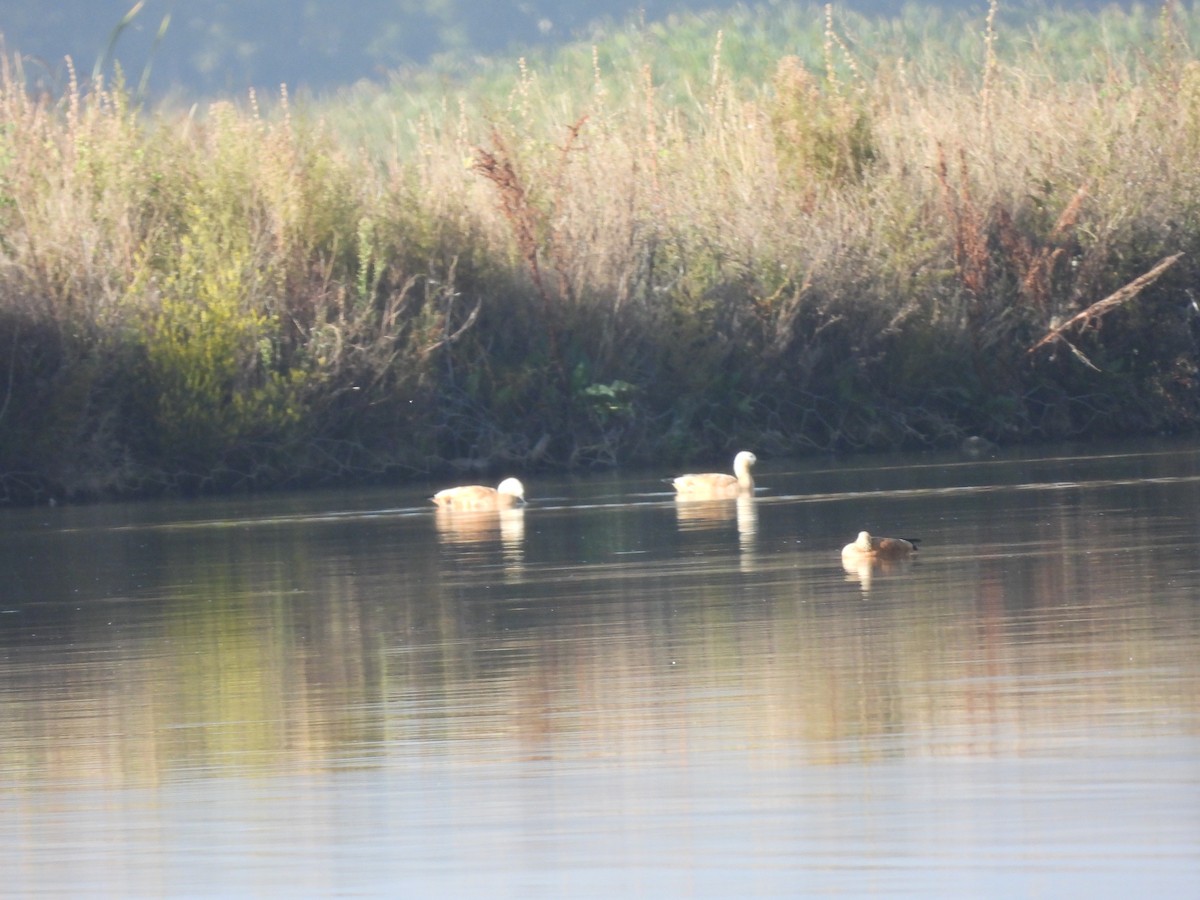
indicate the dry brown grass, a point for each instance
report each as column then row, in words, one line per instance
column 618, row 269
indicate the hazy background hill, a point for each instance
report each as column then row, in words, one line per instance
column 223, row 46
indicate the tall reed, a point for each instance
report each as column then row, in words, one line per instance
column 616, row 260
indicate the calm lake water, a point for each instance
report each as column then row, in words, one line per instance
column 610, row 694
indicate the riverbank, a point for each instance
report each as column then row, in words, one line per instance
column 863, row 252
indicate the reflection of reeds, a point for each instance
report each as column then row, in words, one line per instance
column 1002, row 655
column 827, row 682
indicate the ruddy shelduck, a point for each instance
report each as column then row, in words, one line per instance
column 510, row 492
column 718, row 485
column 868, row 547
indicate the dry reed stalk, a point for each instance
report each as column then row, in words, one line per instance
column 1034, row 266
column 559, row 253
column 497, row 167
column 827, row 50
column 650, row 163
column 714, row 79
column 1035, row 283
column 990, row 67
column 534, row 231
column 1107, row 305
column 969, row 234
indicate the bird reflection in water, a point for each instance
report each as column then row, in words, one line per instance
column 479, row 528
column 695, row 515
column 864, row 569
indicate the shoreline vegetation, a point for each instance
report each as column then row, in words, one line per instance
column 799, row 232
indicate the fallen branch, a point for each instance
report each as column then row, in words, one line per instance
column 1109, row 303
column 462, row 329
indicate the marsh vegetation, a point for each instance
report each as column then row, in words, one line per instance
column 795, row 232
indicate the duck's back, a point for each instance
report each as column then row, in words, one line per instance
column 468, row 496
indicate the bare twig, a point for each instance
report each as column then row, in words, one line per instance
column 1109, row 303
column 462, row 329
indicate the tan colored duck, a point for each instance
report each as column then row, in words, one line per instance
column 718, row 485
column 868, row 547
column 508, row 493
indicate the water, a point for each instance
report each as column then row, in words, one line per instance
column 612, row 694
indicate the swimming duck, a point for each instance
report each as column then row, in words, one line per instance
column 867, row 547
column 718, row 485
column 508, row 493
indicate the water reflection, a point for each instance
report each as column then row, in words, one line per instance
column 480, row 528
column 865, row 569
column 741, row 512
column 697, row 696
